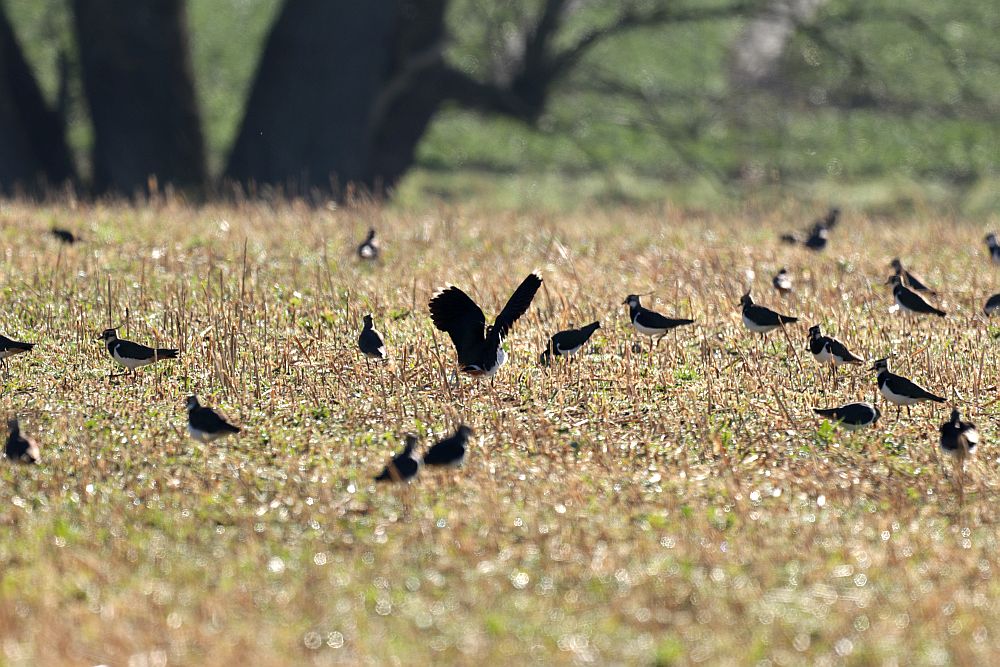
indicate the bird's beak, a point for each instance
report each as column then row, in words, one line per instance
column 625, row 302
column 99, row 338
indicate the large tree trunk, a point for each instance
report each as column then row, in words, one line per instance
column 308, row 119
column 138, row 81
column 33, row 150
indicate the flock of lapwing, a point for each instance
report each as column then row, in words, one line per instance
column 480, row 353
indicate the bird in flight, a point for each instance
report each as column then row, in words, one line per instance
column 480, row 347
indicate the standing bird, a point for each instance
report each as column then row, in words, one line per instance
column 992, row 306
column 782, row 281
column 909, row 301
column 993, row 247
column 760, row 319
column 959, row 439
column 8, row 348
column 567, row 343
column 900, row 391
column 649, row 322
column 851, row 416
column 829, row 350
column 910, row 280
column 64, row 235
column 480, row 347
column 370, row 341
column 133, row 355
column 369, row 249
column 205, row 424
column 20, row 449
column 451, row 451
column 404, row 466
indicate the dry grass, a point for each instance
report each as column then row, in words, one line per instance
column 682, row 507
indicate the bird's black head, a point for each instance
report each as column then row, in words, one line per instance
column 881, row 365
column 956, row 417
column 897, row 265
column 411, row 442
column 371, row 235
column 13, row 426
column 545, row 357
column 878, row 413
column 192, row 403
column 368, row 320
column 746, row 300
column 783, row 271
column 814, row 331
column 894, row 280
column 632, row 301
column 108, row 335
column 464, row 431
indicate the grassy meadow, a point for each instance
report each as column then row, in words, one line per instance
column 627, row 508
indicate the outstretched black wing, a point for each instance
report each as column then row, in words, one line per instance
column 517, row 304
column 453, row 312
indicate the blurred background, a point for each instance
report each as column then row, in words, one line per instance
column 885, row 105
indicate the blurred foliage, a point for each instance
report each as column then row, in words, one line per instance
column 898, row 91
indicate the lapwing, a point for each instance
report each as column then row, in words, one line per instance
column 993, row 247
column 133, row 355
column 992, row 306
column 8, row 348
column 900, row 391
column 818, row 237
column 480, row 347
column 909, row 301
column 451, row 451
column 959, row 439
column 369, row 249
column 404, row 466
column 205, row 424
column 567, row 343
column 761, row 319
column 851, row 416
column 370, row 341
column 20, row 449
column 649, row 322
column 64, row 235
column 910, row 280
column 829, row 350
column 782, row 281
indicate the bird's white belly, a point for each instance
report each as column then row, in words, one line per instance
column 568, row 351
column 203, row 436
column 758, row 328
column 132, row 364
column 646, row 331
column 896, row 398
column 823, row 357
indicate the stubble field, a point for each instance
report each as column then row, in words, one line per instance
column 627, row 508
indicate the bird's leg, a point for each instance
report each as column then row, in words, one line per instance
column 650, row 345
column 908, row 415
column 899, row 411
column 834, row 375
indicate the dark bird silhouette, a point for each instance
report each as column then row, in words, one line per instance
column 9, row 348
column 900, row 391
column 851, row 416
column 910, row 280
column 993, row 247
column 992, row 306
column 817, row 235
column 205, row 424
column 761, row 319
column 782, row 281
column 369, row 249
column 133, row 355
column 568, row 342
column 829, row 350
column 451, row 451
column 370, row 341
column 480, row 347
column 909, row 301
column 64, row 235
column 959, row 439
column 404, row 466
column 20, row 449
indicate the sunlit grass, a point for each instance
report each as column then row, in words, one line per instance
column 680, row 507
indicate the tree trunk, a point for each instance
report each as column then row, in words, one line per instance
column 138, row 81
column 308, row 119
column 33, row 150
